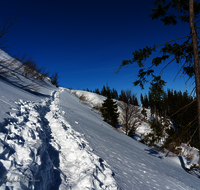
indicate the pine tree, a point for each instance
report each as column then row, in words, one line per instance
column 157, row 95
column 108, row 91
column 157, row 99
column 170, row 12
column 135, row 101
column 146, row 101
column 109, row 111
column 123, row 97
column 151, row 105
column 165, row 104
column 103, row 91
column 96, row 91
column 114, row 94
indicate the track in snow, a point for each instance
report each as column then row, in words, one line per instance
column 40, row 150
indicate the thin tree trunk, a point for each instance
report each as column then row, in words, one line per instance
column 156, row 116
column 196, row 60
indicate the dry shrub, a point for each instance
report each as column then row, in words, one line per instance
column 117, row 130
column 90, row 101
column 73, row 92
column 12, row 70
column 195, row 169
column 178, row 151
column 54, row 79
column 82, row 97
column 173, row 148
column 9, row 65
column 98, row 107
column 31, row 69
column 15, row 69
column 190, row 156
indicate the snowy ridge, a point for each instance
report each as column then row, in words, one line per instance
column 40, row 150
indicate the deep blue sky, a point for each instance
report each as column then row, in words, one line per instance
column 86, row 40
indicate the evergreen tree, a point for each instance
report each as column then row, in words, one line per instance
column 170, row 12
column 165, row 103
column 109, row 111
column 151, row 105
column 123, row 97
column 157, row 98
column 135, row 101
column 106, row 91
column 146, row 101
column 114, row 94
column 128, row 97
column 96, row 91
column 157, row 95
column 103, row 91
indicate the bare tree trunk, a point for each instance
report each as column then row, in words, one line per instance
column 196, row 60
column 156, row 115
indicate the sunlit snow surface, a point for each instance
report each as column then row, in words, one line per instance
column 50, row 140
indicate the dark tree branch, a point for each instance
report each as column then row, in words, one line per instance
column 172, row 40
column 183, row 108
column 9, row 25
column 161, row 72
column 175, row 57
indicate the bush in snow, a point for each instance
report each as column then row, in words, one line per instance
column 54, row 79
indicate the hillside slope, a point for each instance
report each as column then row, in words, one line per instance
column 49, row 140
column 135, row 165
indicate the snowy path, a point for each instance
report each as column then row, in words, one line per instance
column 81, row 169
column 48, row 145
column 40, row 150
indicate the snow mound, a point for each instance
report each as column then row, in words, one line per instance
column 91, row 98
column 40, row 150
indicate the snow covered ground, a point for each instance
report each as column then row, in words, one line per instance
column 49, row 140
column 95, row 100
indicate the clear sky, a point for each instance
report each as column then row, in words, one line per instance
column 86, row 40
